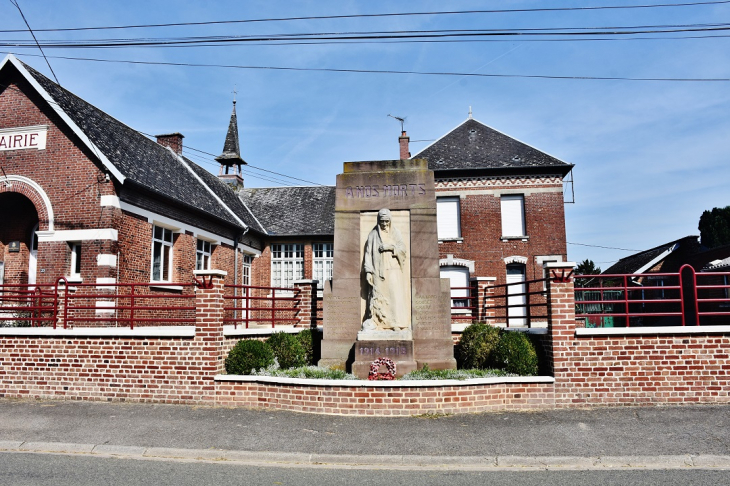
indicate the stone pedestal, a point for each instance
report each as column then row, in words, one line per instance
column 400, row 352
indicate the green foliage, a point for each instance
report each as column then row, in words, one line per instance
column 307, row 343
column 248, row 355
column 516, row 354
column 287, row 350
column 427, row 374
column 312, row 372
column 714, row 227
column 477, row 345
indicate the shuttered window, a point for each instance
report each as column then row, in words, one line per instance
column 513, row 215
column 459, row 277
column 448, row 219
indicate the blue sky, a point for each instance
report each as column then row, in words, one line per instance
column 650, row 156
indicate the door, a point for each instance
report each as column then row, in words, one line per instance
column 516, row 298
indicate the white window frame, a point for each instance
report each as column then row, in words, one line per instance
column 287, row 264
column 448, row 218
column 75, row 268
column 512, row 210
column 516, row 316
column 246, row 261
column 204, row 255
column 322, row 261
column 165, row 244
column 462, row 276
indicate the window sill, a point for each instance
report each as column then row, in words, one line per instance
column 72, row 279
column 451, row 240
column 512, row 238
column 162, row 286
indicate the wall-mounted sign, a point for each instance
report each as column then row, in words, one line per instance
column 14, row 246
column 23, row 138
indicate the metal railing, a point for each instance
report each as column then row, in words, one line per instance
column 125, row 304
column 518, row 304
column 261, row 306
column 27, row 305
column 653, row 299
column 464, row 312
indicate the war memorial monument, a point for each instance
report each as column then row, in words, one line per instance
column 386, row 298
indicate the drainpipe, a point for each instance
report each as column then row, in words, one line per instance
column 236, row 241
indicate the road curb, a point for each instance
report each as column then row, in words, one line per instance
column 299, row 459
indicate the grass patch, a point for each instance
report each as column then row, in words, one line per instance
column 427, row 374
column 311, row 372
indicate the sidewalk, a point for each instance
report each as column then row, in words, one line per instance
column 676, row 437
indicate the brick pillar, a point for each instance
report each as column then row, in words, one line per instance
column 561, row 321
column 307, row 304
column 484, row 302
column 209, row 315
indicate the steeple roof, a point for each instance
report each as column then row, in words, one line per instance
column 231, row 150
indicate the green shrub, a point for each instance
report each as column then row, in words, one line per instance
column 476, row 349
column 516, row 354
column 248, row 355
column 287, row 350
column 306, row 341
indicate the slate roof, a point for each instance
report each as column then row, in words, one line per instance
column 631, row 264
column 293, row 211
column 143, row 161
column 473, row 145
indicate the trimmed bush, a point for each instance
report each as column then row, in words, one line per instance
column 516, row 354
column 477, row 345
column 287, row 350
column 306, row 341
column 248, row 355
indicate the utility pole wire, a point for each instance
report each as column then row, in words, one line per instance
column 15, row 2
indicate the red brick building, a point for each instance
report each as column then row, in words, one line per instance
column 85, row 197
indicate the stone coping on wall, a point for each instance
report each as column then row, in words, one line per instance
column 648, row 331
column 386, row 384
column 541, row 329
column 229, row 331
column 137, row 332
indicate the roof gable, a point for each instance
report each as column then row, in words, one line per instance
column 133, row 158
column 644, row 261
column 473, row 145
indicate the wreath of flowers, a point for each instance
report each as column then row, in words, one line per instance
column 375, row 366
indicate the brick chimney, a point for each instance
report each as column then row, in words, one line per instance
column 403, row 141
column 172, row 140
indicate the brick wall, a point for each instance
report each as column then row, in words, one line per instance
column 385, row 400
column 669, row 366
column 481, row 223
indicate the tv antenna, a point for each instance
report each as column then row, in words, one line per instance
column 401, row 120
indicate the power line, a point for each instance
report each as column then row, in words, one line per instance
column 393, row 14
column 357, row 37
column 604, row 247
column 256, row 168
column 374, row 71
column 15, row 2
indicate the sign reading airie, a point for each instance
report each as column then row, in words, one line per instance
column 23, row 138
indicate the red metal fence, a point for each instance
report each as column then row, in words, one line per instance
column 261, row 306
column 685, row 298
